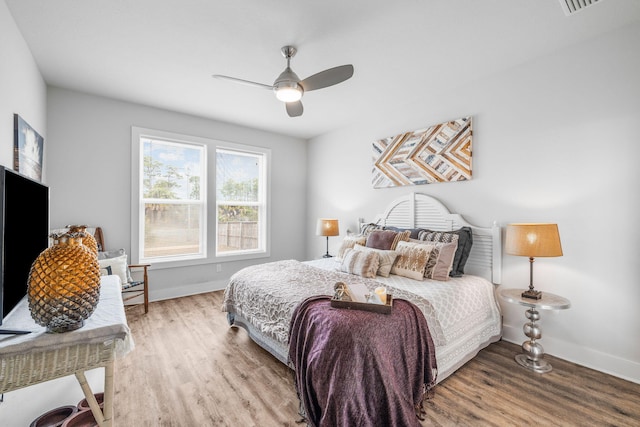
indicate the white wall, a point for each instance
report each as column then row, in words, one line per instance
column 89, row 174
column 23, row 91
column 555, row 140
column 22, row 88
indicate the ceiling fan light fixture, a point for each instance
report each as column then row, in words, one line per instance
column 288, row 91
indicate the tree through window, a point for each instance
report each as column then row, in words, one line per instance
column 173, row 201
column 199, row 200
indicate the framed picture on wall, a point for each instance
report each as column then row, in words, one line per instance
column 28, row 149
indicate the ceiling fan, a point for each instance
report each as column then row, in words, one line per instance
column 289, row 88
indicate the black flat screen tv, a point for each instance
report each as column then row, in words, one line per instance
column 24, row 234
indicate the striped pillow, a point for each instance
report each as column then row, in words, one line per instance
column 363, row 264
column 349, row 242
column 464, row 237
column 441, row 261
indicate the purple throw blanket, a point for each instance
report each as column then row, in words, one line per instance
column 360, row 368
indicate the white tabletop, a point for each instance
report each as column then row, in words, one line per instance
column 108, row 321
column 548, row 301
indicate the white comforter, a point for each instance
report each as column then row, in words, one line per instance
column 462, row 313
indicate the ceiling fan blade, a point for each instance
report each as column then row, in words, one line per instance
column 241, row 81
column 327, row 78
column 294, row 109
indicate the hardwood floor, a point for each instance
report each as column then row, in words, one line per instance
column 189, row 368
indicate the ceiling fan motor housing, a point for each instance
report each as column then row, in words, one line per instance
column 287, row 86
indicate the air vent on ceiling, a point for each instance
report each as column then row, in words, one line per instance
column 573, row 6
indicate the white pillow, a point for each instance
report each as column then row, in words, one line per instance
column 119, row 266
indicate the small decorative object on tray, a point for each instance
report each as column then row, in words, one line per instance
column 357, row 296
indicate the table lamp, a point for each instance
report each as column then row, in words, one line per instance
column 533, row 240
column 327, row 227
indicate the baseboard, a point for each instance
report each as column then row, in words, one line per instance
column 183, row 291
column 593, row 359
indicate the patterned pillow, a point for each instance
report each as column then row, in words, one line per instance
column 465, row 241
column 349, row 242
column 413, row 231
column 361, row 263
column 412, row 260
column 386, row 259
column 365, row 229
column 441, row 261
column 386, row 240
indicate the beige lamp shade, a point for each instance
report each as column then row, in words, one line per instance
column 533, row 240
column 327, row 227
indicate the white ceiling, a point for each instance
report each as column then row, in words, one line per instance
column 162, row 53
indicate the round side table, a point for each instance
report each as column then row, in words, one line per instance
column 532, row 356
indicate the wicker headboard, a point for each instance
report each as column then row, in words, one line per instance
column 416, row 210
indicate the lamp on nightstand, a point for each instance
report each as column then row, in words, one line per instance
column 533, row 240
column 327, row 227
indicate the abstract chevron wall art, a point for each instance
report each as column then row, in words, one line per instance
column 439, row 153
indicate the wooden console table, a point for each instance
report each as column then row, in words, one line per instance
column 40, row 356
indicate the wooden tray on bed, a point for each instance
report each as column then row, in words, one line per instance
column 378, row 308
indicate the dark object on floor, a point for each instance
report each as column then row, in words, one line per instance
column 83, row 404
column 54, row 417
column 81, row 419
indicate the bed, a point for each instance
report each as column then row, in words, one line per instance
column 462, row 312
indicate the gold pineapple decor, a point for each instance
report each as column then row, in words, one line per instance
column 88, row 240
column 64, row 283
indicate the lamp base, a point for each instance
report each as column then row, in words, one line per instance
column 327, row 256
column 539, row 366
column 532, row 294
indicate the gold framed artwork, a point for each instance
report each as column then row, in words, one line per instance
column 438, row 153
column 28, row 149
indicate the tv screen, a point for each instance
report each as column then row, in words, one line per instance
column 24, row 234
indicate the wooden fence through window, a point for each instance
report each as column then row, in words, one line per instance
column 238, row 235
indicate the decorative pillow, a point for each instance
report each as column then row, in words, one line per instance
column 111, row 254
column 361, row 263
column 118, row 266
column 106, row 271
column 365, row 229
column 413, row 232
column 440, row 261
column 465, row 241
column 386, row 240
column 385, row 258
column 349, row 242
column 115, row 254
column 412, row 260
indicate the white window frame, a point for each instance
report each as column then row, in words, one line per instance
column 210, row 222
column 261, row 202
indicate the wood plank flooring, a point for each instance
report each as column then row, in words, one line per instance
column 189, row 368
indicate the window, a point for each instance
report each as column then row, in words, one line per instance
column 240, row 199
column 198, row 200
